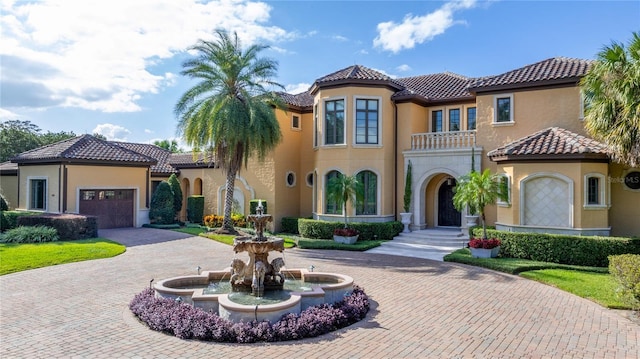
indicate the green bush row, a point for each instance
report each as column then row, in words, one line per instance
column 30, row 234
column 311, row 228
column 9, row 219
column 68, row 226
column 565, row 249
column 625, row 269
column 290, row 225
column 195, row 209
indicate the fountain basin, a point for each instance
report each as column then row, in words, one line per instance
column 323, row 288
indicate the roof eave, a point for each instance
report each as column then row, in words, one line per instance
column 595, row 157
column 567, row 81
column 354, row 82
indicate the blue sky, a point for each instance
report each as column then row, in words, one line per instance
column 113, row 67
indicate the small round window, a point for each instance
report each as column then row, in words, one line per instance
column 632, row 180
column 310, row 179
column 291, row 179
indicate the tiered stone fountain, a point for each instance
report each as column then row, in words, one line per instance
column 259, row 278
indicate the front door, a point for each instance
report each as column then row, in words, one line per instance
column 448, row 216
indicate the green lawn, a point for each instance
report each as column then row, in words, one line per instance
column 593, row 283
column 16, row 257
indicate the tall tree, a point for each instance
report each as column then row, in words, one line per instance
column 229, row 111
column 174, row 183
column 612, row 95
column 53, row 137
column 168, row 145
column 16, row 137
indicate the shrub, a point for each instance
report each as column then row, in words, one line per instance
column 4, row 205
column 9, row 219
column 176, row 191
column 187, row 322
column 161, row 210
column 195, row 209
column 68, row 226
column 290, row 225
column 214, row 220
column 482, row 243
column 564, row 249
column 311, row 228
column 31, row 234
column 625, row 269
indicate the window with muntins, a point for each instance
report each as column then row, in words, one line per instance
column 38, row 199
column 471, row 118
column 334, row 122
column 503, row 109
column 366, row 121
column 436, row 121
column 331, row 207
column 368, row 204
column 504, row 184
column 593, row 190
column 454, row 119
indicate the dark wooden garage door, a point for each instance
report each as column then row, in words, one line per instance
column 113, row 207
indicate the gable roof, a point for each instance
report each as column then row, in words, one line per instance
column 187, row 160
column 84, row 149
column 299, row 101
column 553, row 71
column 551, row 143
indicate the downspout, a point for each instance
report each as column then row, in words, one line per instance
column 395, row 160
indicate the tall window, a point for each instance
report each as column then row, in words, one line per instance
column 366, row 121
column 368, row 204
column 505, row 190
column 454, row 119
column 295, row 122
column 38, row 192
column 334, row 122
column 471, row 118
column 315, row 125
column 593, row 190
column 436, row 121
column 504, row 109
column 331, row 207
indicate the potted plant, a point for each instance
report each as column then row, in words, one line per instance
column 481, row 248
column 476, row 191
column 405, row 217
column 340, row 190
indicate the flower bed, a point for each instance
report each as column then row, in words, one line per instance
column 187, row 322
column 486, row 244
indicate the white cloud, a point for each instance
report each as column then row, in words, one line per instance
column 403, row 68
column 418, row 29
column 339, row 38
column 6, row 115
column 297, row 88
column 148, row 131
column 98, row 55
column 385, row 73
column 112, row 132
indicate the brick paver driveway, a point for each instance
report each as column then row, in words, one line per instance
column 420, row 309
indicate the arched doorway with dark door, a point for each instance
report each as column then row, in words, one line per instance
column 448, row 216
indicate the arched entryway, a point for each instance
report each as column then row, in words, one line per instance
column 448, row 216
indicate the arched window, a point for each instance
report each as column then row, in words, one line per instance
column 368, row 204
column 331, row 207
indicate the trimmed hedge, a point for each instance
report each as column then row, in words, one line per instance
column 69, row 226
column 9, row 219
column 625, row 269
column 290, row 225
column 195, row 209
column 311, row 228
column 565, row 249
column 35, row 234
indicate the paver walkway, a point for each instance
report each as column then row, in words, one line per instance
column 420, row 309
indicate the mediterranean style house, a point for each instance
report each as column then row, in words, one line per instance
column 525, row 125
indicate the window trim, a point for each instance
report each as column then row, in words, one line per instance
column 466, row 115
column 299, row 127
column 495, row 110
column 315, row 125
column 324, row 122
column 30, row 179
column 325, row 197
column 602, row 191
column 378, row 193
column 449, row 119
column 355, row 125
column 286, row 179
column 500, row 202
column 431, row 124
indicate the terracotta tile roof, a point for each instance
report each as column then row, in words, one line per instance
column 435, row 87
column 355, row 74
column 8, row 168
column 159, row 154
column 187, row 160
column 298, row 100
column 553, row 70
column 85, row 148
column 553, row 142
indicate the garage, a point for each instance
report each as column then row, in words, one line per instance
column 113, row 207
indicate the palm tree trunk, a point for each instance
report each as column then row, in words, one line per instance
column 227, row 222
column 484, row 227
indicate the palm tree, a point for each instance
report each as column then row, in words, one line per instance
column 477, row 190
column 612, row 95
column 229, row 112
column 342, row 189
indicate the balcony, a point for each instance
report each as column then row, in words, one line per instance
column 443, row 140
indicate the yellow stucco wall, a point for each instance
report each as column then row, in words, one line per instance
column 624, row 214
column 9, row 189
column 52, row 174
